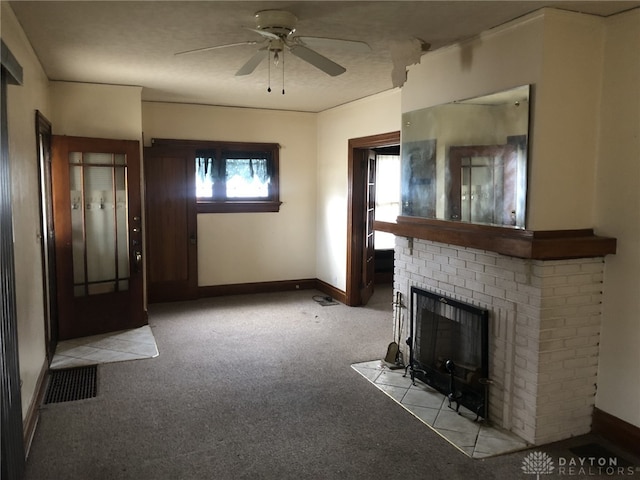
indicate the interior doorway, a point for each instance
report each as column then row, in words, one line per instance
column 47, row 234
column 360, row 221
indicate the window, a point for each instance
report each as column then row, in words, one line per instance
column 387, row 197
column 233, row 176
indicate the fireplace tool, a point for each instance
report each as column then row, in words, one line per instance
column 453, row 396
column 392, row 349
column 393, row 358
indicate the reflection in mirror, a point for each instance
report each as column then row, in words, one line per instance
column 467, row 160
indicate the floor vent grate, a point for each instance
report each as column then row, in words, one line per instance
column 72, row 384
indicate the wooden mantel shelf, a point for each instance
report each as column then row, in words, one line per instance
column 538, row 245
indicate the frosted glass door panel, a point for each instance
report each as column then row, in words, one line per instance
column 99, row 213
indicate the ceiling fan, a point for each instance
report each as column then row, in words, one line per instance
column 277, row 28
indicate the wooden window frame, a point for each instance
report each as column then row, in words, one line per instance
column 206, row 205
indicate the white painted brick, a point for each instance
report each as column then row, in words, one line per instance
column 552, row 323
column 591, row 351
column 517, row 297
column 449, row 252
column 450, row 269
column 426, row 256
column 557, row 356
column 566, row 290
column 504, row 304
column 485, row 279
column 475, row 266
column 593, row 267
column 482, row 298
column 440, row 276
column 464, row 292
column 446, row 288
column 588, row 331
column 486, row 258
column 495, row 291
column 551, row 307
column 474, row 285
column 466, row 274
column 500, row 273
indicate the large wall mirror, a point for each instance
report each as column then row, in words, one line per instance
column 467, row 160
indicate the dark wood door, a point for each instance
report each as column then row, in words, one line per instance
column 98, row 223
column 171, row 222
column 368, row 251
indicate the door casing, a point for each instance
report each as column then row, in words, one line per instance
column 356, row 230
column 47, row 234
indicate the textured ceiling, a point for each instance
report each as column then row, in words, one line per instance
column 133, row 43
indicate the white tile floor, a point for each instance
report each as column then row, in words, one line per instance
column 475, row 439
column 132, row 344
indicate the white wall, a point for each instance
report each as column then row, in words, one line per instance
column 22, row 103
column 618, row 215
column 251, row 247
column 370, row 116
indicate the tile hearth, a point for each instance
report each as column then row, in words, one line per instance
column 475, row 439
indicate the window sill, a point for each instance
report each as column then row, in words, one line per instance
column 249, row 206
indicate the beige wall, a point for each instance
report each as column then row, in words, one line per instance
column 618, row 215
column 558, row 52
column 251, row 247
column 566, row 121
column 22, row 103
column 370, row 116
column 100, row 111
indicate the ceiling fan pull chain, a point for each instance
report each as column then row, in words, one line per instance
column 283, row 71
column 269, row 68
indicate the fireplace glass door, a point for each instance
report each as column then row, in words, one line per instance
column 449, row 348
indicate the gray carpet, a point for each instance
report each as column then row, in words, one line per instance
column 254, row 387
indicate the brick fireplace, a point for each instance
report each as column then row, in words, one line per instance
column 544, row 325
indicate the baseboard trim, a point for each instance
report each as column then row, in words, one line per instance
column 332, row 291
column 624, row 434
column 269, row 287
column 257, row 287
column 33, row 413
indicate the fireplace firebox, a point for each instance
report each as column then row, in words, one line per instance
column 448, row 349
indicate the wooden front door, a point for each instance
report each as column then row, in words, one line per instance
column 98, row 222
column 170, row 198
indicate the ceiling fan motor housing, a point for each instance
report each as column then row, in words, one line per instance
column 277, row 22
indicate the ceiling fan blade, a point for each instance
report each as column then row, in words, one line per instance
column 264, row 33
column 314, row 58
column 253, row 62
column 324, row 42
column 215, row 47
